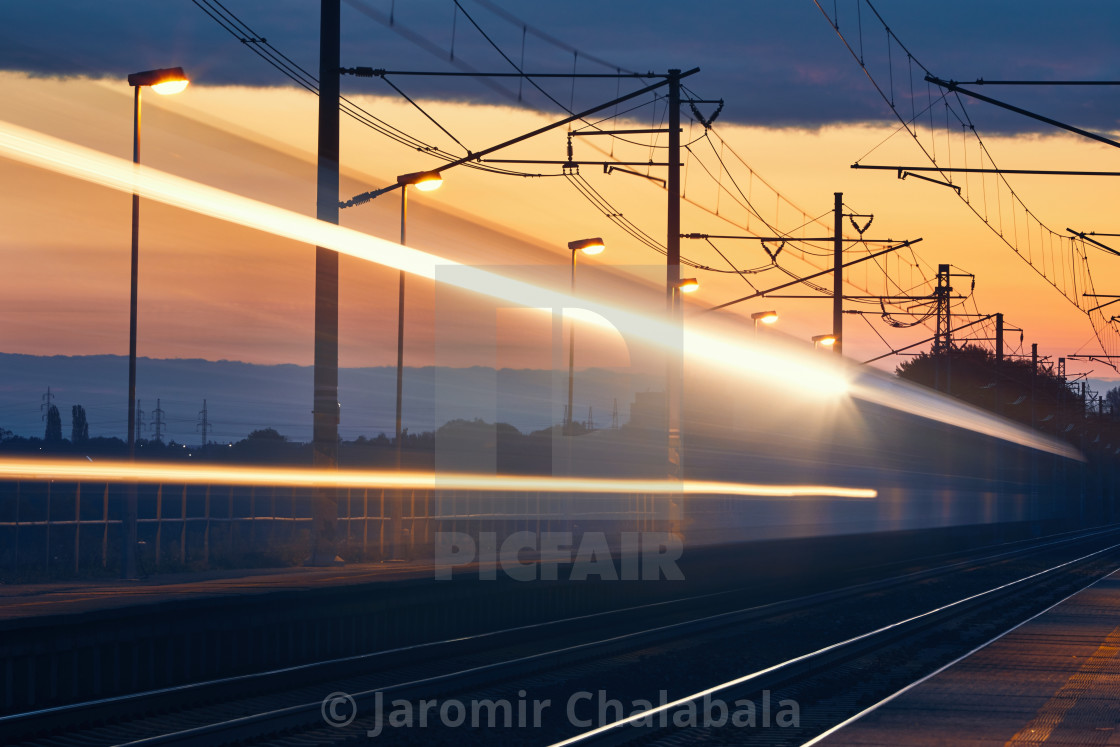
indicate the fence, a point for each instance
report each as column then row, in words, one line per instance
column 55, row 529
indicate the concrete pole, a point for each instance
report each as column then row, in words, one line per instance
column 675, row 377
column 325, row 408
column 838, row 275
column 570, row 418
column 129, row 535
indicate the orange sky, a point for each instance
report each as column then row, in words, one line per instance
column 214, row 291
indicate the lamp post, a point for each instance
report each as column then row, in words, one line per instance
column 826, row 341
column 589, row 247
column 425, row 181
column 766, row 317
column 682, row 286
column 163, row 81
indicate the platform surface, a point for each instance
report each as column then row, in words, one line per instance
column 72, row 597
column 1053, row 681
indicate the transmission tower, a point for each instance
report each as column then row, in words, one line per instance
column 614, row 415
column 943, row 339
column 45, row 407
column 139, row 419
column 203, row 423
column 157, row 421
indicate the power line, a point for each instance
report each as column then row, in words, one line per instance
column 1047, row 265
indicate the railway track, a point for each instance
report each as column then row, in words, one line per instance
column 872, row 635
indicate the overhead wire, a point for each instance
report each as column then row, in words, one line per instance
column 259, row 45
column 598, row 202
column 1106, row 332
column 284, row 64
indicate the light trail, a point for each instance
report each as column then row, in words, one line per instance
column 806, row 375
column 62, row 470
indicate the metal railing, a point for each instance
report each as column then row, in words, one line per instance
column 59, row 529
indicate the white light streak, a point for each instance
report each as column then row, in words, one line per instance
column 807, row 375
column 63, row 470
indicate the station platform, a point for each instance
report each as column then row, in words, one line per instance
column 1053, row 681
column 22, row 601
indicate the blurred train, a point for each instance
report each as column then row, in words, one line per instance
column 885, row 456
column 792, row 431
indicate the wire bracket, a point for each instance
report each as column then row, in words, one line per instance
column 707, row 122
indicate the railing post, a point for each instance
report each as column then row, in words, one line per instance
column 105, row 528
column 77, row 526
column 381, row 527
column 183, row 529
column 229, row 523
column 253, row 517
column 159, row 525
column 412, row 524
column 206, row 531
column 48, row 524
column 15, row 555
column 365, row 524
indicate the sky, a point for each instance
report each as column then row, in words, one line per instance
column 798, row 111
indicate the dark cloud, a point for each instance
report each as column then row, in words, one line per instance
column 777, row 62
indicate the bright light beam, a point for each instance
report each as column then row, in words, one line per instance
column 18, row 143
column 62, row 470
column 805, row 374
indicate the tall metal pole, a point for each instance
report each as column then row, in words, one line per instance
column 999, row 361
column 838, row 275
column 396, row 502
column 400, row 323
column 571, row 354
column 673, row 187
column 673, row 276
column 999, row 338
column 326, row 407
column 129, row 536
column 1034, row 376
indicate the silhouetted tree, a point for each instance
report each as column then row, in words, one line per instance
column 79, row 428
column 54, row 425
column 1112, row 400
column 971, row 373
column 266, row 434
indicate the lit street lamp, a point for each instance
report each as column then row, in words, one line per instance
column 589, row 247
column 826, row 341
column 684, row 285
column 425, row 181
column 766, row 317
column 163, row 81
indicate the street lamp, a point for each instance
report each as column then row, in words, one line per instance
column 826, row 341
column 589, row 247
column 425, row 181
column 163, row 81
column 766, row 317
column 688, row 285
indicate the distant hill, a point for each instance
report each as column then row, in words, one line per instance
column 242, row 397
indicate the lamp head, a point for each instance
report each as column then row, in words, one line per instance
column 587, row 246
column 688, row 285
column 164, row 81
column 766, row 317
column 826, row 340
column 425, row 181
